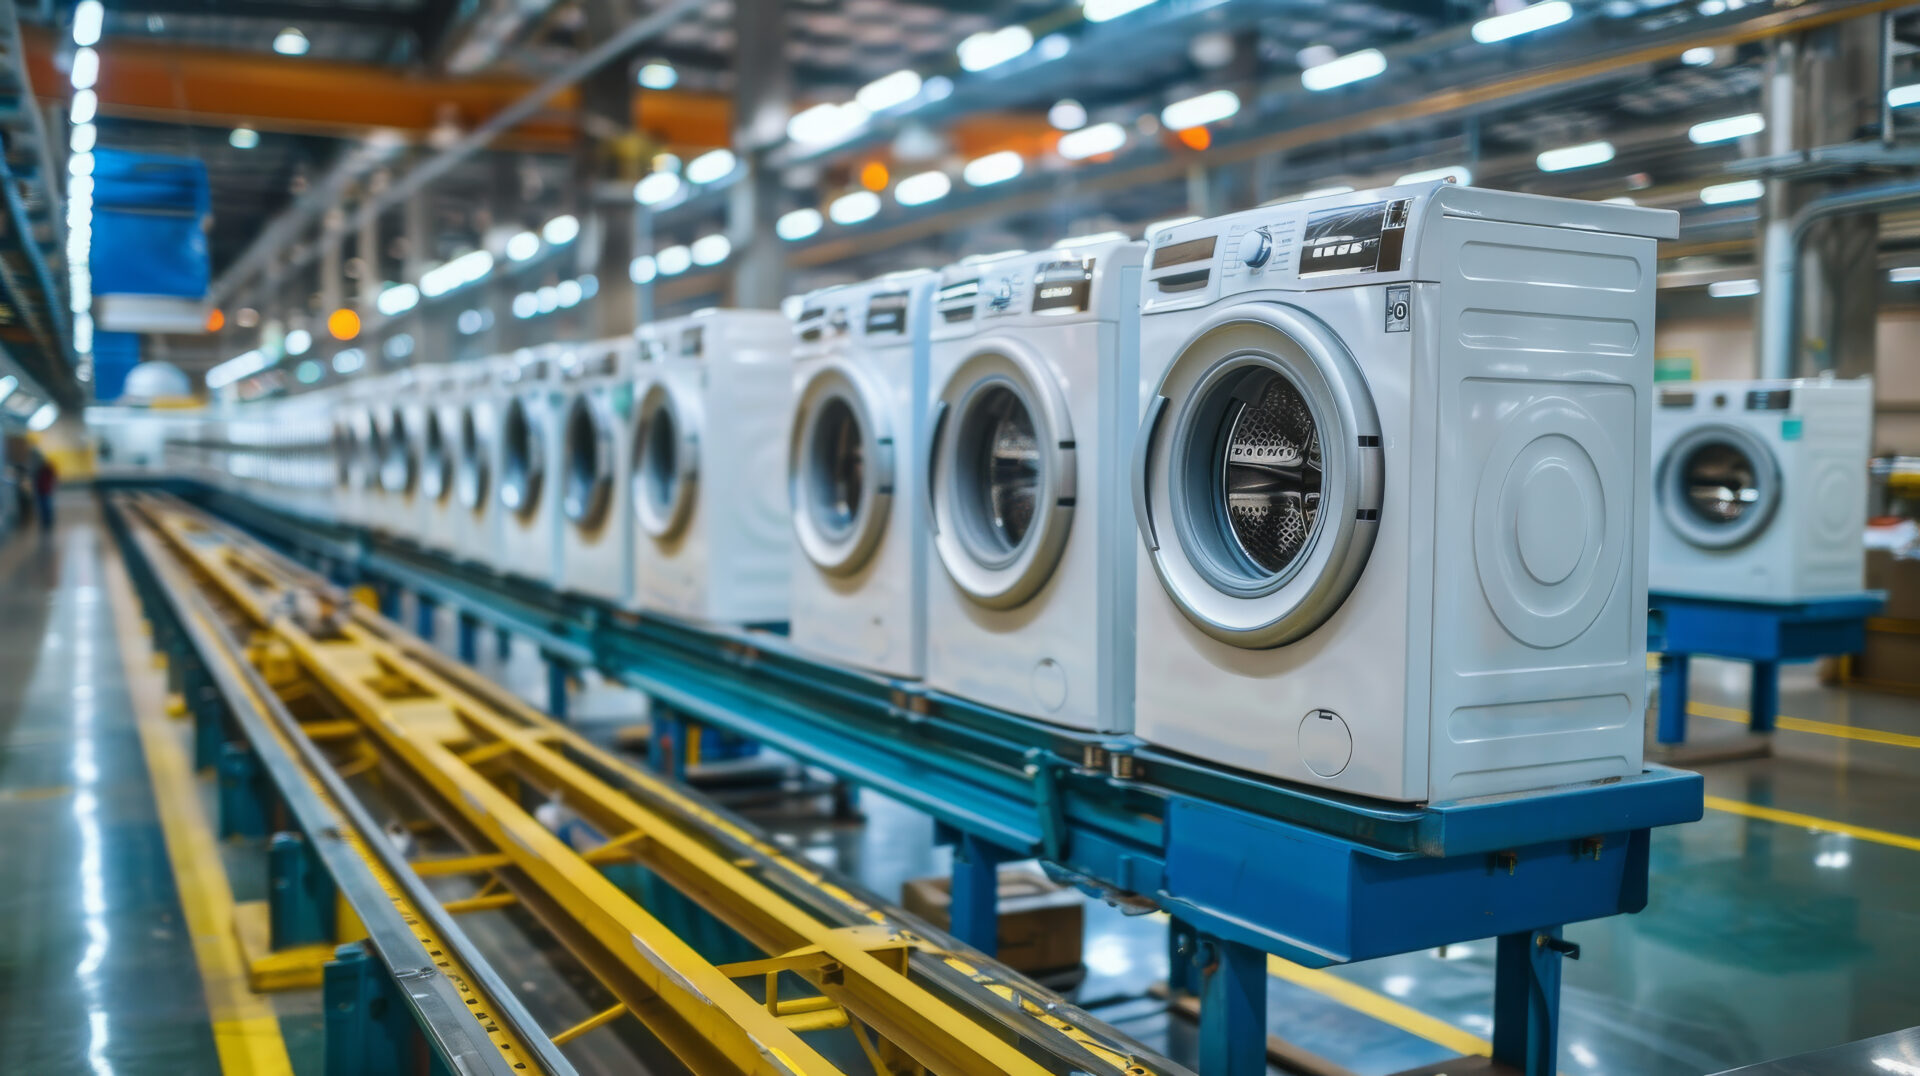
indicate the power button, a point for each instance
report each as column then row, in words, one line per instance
column 1400, row 309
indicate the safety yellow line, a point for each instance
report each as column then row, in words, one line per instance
column 1380, row 1007
column 1801, row 724
column 1807, row 821
column 246, row 1033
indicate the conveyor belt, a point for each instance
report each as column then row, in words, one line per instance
column 841, row 976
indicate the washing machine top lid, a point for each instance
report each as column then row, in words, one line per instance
column 884, row 312
column 1076, row 280
column 1784, row 396
column 714, row 331
column 1362, row 237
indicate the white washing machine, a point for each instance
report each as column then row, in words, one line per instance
column 476, row 519
column 713, row 534
column 356, row 468
column 1034, row 374
column 397, row 420
column 596, row 423
column 854, row 474
column 529, row 483
column 1392, row 485
column 438, row 418
column 1760, row 488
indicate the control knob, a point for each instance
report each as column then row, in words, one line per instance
column 1255, row 248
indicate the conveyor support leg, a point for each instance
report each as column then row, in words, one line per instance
column 1763, row 704
column 369, row 1028
column 1526, row 1000
column 1233, row 1008
column 1673, row 698
column 669, row 736
column 502, row 643
column 468, row 638
column 425, row 612
column 300, row 894
column 1182, row 943
column 974, row 911
column 244, row 802
column 389, row 599
column 558, row 672
column 208, row 712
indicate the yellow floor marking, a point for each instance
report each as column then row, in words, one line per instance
column 1807, row 821
column 1380, row 1007
column 246, row 1033
column 1801, row 724
column 41, row 792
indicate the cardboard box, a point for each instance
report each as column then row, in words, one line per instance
column 1891, row 658
column 1041, row 923
column 1900, row 578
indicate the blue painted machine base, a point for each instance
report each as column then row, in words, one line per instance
column 1762, row 633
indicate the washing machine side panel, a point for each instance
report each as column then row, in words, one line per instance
column 530, row 545
column 1056, row 656
column 1542, row 497
column 1244, row 709
column 1826, row 487
column 743, row 483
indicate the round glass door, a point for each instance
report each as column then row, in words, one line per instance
column 398, row 467
column 840, row 471
column 1258, row 476
column 436, row 458
column 1002, row 476
column 588, row 474
column 523, row 458
column 347, row 453
column 475, row 472
column 1718, row 486
column 666, row 472
column 373, row 462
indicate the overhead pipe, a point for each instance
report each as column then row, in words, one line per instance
column 1780, row 276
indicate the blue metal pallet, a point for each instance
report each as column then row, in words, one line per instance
column 1762, row 633
column 1244, row 866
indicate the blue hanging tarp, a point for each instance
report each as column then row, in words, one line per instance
column 148, row 237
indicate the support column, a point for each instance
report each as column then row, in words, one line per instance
column 301, row 898
column 762, row 100
column 468, row 633
column 425, row 612
column 1763, row 703
column 558, row 672
column 974, row 909
column 1233, row 1009
column 332, row 281
column 1673, row 698
column 611, row 153
column 1526, row 1000
column 1822, row 88
column 369, row 1029
column 502, row 643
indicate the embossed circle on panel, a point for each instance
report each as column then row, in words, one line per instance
column 1549, row 525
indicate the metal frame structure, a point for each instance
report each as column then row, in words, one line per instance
column 906, row 999
column 1243, row 867
column 1762, row 633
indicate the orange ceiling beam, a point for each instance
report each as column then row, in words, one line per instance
column 212, row 87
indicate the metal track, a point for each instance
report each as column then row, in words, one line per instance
column 838, row 967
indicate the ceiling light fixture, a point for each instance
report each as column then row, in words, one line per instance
column 923, row 188
column 853, row 208
column 1342, row 70
column 1524, row 21
column 657, row 76
column 711, row 165
column 1740, row 190
column 1567, row 158
column 889, row 91
column 1092, row 141
column 991, row 48
column 291, row 42
column 1201, row 110
column 798, row 224
column 1726, row 129
column 993, row 168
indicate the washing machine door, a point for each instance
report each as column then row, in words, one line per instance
column 1001, row 475
column 398, row 466
column 436, row 456
column 349, row 452
column 473, row 480
column 1718, row 486
column 840, row 468
column 1257, row 475
column 592, row 440
column 374, row 446
column 666, row 461
column 523, row 456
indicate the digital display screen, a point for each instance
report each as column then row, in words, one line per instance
column 1676, row 399
column 1063, row 287
column 887, row 313
column 1355, row 239
column 812, row 322
column 955, row 301
column 692, row 343
column 1193, row 250
column 1769, row 399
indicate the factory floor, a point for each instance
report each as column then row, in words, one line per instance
column 1785, row 921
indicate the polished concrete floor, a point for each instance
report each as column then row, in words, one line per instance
column 1787, row 920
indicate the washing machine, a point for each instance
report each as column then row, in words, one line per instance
column 476, row 519
column 1391, row 483
column 854, row 474
column 713, row 536
column 355, row 470
column 1760, row 488
column 396, row 416
column 596, row 420
column 437, row 419
column 529, row 485
column 1034, row 393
